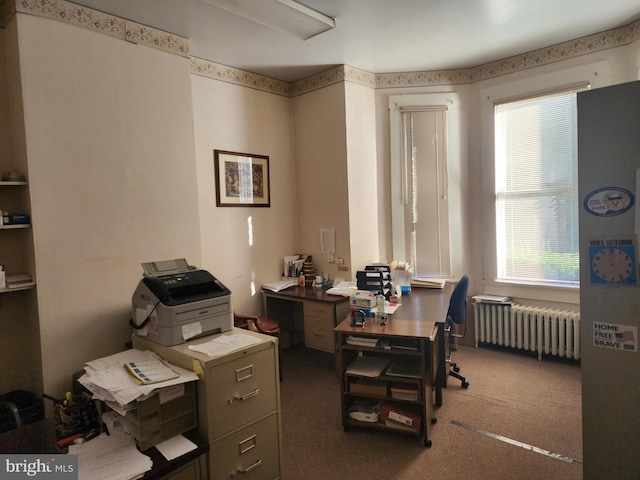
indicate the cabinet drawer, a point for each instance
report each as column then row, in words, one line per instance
column 318, row 333
column 241, row 391
column 251, row 452
column 318, row 309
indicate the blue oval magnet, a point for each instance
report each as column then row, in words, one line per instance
column 608, row 201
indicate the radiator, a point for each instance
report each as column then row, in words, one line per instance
column 542, row 330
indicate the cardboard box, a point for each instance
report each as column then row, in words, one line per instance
column 362, row 299
column 368, row 387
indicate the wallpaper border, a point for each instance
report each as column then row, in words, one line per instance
column 133, row 32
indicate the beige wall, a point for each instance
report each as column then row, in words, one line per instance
column 364, row 201
column 112, row 178
column 244, row 246
column 321, row 174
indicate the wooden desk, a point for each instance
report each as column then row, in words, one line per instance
column 307, row 311
column 419, row 325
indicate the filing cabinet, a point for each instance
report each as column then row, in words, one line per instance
column 318, row 326
column 238, row 404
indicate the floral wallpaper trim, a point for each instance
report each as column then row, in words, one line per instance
column 104, row 23
column 215, row 71
column 75, row 14
column 154, row 38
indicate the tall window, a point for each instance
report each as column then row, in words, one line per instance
column 536, row 189
column 424, row 190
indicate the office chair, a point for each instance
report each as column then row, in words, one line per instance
column 457, row 315
column 259, row 324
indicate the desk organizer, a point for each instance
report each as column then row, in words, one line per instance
column 155, row 421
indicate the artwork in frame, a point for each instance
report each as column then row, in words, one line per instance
column 242, row 179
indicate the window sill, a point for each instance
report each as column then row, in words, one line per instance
column 527, row 293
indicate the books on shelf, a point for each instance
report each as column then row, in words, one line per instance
column 407, row 416
column 404, row 392
column 427, row 282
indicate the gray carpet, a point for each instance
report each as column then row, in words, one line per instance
column 512, row 397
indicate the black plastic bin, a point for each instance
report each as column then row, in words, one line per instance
column 19, row 407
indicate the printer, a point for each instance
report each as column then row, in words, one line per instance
column 175, row 302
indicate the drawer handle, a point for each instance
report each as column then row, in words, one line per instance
column 246, row 396
column 248, row 469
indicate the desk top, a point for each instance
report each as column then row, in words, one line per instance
column 417, row 316
column 306, row 293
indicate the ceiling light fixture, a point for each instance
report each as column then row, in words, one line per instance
column 286, row 16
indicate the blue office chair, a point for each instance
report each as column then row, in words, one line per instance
column 457, row 315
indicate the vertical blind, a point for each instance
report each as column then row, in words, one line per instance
column 426, row 208
column 536, row 189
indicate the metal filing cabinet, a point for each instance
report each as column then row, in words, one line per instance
column 238, row 404
column 318, row 326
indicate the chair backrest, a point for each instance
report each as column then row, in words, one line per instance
column 457, row 312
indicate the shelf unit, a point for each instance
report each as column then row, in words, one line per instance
column 395, row 349
column 13, row 199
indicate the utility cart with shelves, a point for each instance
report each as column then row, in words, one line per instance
column 392, row 375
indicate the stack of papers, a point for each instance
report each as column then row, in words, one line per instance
column 21, row 280
column 281, row 285
column 343, row 288
column 499, row 299
column 110, row 457
column 368, row 366
column 224, row 344
column 108, row 379
column 362, row 341
column 428, row 282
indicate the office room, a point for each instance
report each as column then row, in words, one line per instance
column 112, row 116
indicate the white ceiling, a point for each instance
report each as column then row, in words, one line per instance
column 379, row 36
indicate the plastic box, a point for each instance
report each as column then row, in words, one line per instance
column 156, row 420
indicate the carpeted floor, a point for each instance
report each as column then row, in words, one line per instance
column 517, row 420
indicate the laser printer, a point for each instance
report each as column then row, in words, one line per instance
column 175, row 302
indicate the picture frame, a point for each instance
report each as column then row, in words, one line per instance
column 242, row 179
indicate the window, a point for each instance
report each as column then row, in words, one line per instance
column 426, row 183
column 536, row 189
column 426, row 209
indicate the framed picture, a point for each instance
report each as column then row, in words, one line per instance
column 242, row 179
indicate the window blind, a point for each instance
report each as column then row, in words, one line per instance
column 426, row 208
column 536, row 189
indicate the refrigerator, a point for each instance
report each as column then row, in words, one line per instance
column 608, row 188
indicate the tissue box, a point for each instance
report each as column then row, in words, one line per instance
column 362, row 299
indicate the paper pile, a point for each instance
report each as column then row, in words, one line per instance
column 108, row 380
column 110, row 457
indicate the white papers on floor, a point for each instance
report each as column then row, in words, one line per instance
column 109, row 381
column 224, row 344
column 110, row 457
